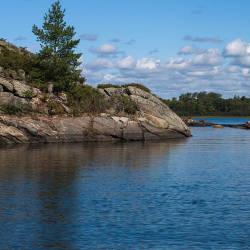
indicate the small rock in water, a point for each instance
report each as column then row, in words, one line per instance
column 217, row 126
column 248, row 124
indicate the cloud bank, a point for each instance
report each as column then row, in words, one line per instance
column 225, row 70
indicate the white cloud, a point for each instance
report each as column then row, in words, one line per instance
column 178, row 64
column 239, row 50
column 237, row 47
column 205, row 72
column 109, row 77
column 187, row 50
column 198, row 69
column 106, row 48
column 232, row 69
column 210, row 57
column 126, row 63
column 243, row 61
column 147, row 64
column 245, row 72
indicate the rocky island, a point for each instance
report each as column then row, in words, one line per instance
column 30, row 114
column 44, row 96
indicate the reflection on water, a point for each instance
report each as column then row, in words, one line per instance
column 181, row 194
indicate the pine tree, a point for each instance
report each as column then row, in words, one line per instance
column 57, row 55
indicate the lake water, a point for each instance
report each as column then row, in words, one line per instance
column 224, row 120
column 181, row 194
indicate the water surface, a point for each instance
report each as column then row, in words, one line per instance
column 180, row 194
column 224, row 120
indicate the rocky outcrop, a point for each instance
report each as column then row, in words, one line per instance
column 103, row 127
column 19, row 94
column 45, row 117
column 153, row 121
column 154, row 115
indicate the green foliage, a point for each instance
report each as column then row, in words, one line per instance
column 107, row 85
column 39, row 84
column 124, row 104
column 15, row 109
column 28, row 94
column 139, row 86
column 204, row 103
column 55, row 108
column 86, row 99
column 57, row 57
column 10, row 109
column 11, row 59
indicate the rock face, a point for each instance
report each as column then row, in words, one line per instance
column 104, row 127
column 17, row 93
column 153, row 121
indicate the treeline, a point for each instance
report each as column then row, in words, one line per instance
column 209, row 104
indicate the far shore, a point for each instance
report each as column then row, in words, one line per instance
column 217, row 116
column 203, row 121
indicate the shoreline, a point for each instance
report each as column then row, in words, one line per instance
column 219, row 116
column 203, row 123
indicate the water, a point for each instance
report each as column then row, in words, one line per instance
column 224, row 120
column 180, row 194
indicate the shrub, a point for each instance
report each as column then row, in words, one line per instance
column 139, row 86
column 15, row 59
column 28, row 94
column 123, row 103
column 11, row 109
column 12, row 59
column 107, row 85
column 55, row 108
column 39, row 85
column 86, row 99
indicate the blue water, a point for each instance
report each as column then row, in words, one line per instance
column 180, row 194
column 225, row 120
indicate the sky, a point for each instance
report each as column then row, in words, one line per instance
column 171, row 46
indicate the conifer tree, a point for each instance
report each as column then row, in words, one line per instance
column 57, row 55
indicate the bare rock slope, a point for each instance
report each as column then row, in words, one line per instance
column 153, row 121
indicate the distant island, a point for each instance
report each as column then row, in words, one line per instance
column 209, row 104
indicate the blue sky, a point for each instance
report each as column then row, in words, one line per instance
column 171, row 46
